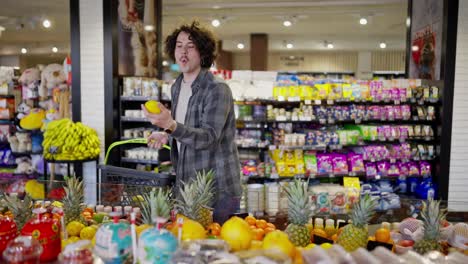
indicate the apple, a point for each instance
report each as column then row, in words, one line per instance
column 406, row 243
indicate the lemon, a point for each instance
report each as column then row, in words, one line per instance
column 310, row 246
column 88, row 233
column 326, row 245
column 139, row 229
column 74, row 228
column 152, row 107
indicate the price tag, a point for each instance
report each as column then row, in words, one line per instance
column 272, row 147
column 330, row 102
column 281, row 98
column 357, row 121
column 274, row 176
column 308, row 102
column 397, row 102
column 318, row 102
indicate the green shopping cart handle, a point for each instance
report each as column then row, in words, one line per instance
column 128, row 141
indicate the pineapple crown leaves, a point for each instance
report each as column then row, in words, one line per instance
column 205, row 186
column 363, row 211
column 73, row 199
column 299, row 203
column 189, row 203
column 155, row 204
column 432, row 215
column 21, row 209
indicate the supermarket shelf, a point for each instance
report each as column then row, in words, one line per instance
column 335, row 122
column 252, row 148
column 7, row 96
column 302, row 176
column 339, row 102
column 28, row 153
column 8, row 165
column 138, row 98
column 133, row 119
column 129, row 160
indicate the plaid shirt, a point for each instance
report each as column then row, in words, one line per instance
column 207, row 135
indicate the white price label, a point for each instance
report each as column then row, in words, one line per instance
column 307, row 102
column 318, row 102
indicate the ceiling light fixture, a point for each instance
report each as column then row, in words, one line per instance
column 240, row 46
column 54, row 49
column 165, row 63
column 287, row 23
column 414, row 48
column 363, row 21
column 149, row 28
column 215, row 22
column 46, row 23
column 383, row 45
column 330, row 46
column 289, row 46
column 24, row 50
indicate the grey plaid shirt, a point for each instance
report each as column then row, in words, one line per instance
column 207, row 135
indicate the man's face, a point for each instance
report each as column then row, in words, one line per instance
column 186, row 54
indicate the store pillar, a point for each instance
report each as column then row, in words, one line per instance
column 258, row 52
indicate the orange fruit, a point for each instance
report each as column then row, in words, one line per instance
column 382, row 235
column 253, row 227
column 214, row 229
column 250, row 219
column 271, row 225
column 269, row 229
column 258, row 234
column 298, row 257
column 334, row 237
column 261, row 224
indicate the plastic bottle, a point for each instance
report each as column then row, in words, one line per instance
column 318, row 223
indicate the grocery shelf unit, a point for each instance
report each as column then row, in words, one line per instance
column 266, row 126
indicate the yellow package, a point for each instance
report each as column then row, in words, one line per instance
column 276, row 92
column 284, row 92
column 323, row 90
column 365, row 91
column 303, row 92
column 289, row 156
column 281, row 168
column 291, row 170
column 298, row 155
column 347, row 91
column 300, row 168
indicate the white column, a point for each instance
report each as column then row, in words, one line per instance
column 364, row 70
column 458, row 184
column 92, row 80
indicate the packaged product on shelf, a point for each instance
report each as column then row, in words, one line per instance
column 324, row 164
column 426, row 189
column 336, row 91
column 371, row 169
column 356, row 92
column 382, row 168
column 356, row 162
column 394, row 170
column 340, row 165
column 403, row 168
column 300, row 168
column 401, row 184
column 321, row 199
column 425, row 168
column 310, row 161
column 347, row 92
column 413, row 168
column 365, row 90
column 412, row 183
column 338, row 202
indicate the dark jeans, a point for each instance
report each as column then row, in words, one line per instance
column 225, row 207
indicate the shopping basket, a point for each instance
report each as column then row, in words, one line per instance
column 124, row 186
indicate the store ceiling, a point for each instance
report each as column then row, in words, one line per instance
column 316, row 21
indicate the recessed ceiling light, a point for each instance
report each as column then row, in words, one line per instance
column 165, row 63
column 54, row 50
column 216, row 7
column 46, row 23
column 240, row 46
column 287, row 23
column 24, row 50
column 289, row 46
column 215, row 22
column 149, row 28
column 330, row 45
column 383, row 45
column 363, row 21
column 414, row 48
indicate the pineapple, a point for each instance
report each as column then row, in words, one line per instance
column 204, row 184
column 299, row 213
column 21, row 209
column 156, row 204
column 73, row 200
column 432, row 217
column 356, row 235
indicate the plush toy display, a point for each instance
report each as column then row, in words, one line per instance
column 24, row 166
column 52, row 77
column 24, row 142
column 13, row 140
column 22, row 110
column 6, row 76
column 30, row 79
column 33, row 120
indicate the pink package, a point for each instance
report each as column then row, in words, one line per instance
column 397, row 111
column 386, row 94
column 389, row 112
column 381, row 133
column 403, row 168
column 375, row 112
column 403, row 132
column 395, row 92
column 387, row 132
column 356, row 162
column 371, row 169
column 405, row 151
column 413, row 168
column 382, row 168
column 394, row 170
column 425, row 168
column 324, row 163
column 403, row 95
column 395, row 152
column 395, row 132
column 340, row 166
column 405, row 112
column 373, row 89
column 381, row 152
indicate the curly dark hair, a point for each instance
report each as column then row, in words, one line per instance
column 203, row 39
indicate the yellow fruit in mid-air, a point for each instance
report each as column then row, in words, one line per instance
column 279, row 240
column 88, row 233
column 74, row 228
column 237, row 233
column 152, row 107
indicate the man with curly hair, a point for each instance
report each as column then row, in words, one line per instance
column 201, row 124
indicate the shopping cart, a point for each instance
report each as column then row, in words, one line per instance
column 124, row 186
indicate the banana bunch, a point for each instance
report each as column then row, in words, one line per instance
column 65, row 140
